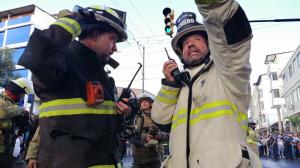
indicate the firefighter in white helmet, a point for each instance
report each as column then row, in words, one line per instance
column 207, row 112
column 9, row 113
column 251, row 135
column 148, row 153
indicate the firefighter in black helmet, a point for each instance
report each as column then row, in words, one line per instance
column 78, row 114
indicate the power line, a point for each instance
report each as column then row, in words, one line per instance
column 134, row 25
column 141, row 17
column 275, row 20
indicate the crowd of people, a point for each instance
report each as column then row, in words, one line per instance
column 279, row 146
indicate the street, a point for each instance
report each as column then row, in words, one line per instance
column 271, row 163
column 267, row 163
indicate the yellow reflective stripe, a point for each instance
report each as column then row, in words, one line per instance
column 76, row 112
column 167, row 95
column 179, row 118
column 72, row 26
column 178, row 122
column 105, row 166
column 75, row 25
column 59, row 102
column 244, row 127
column 213, row 105
column 166, row 100
column 250, row 141
column 75, row 106
column 209, row 111
column 242, row 119
column 207, row 116
column 180, row 112
column 167, row 91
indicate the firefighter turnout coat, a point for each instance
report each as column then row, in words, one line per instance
column 61, row 67
column 8, row 110
column 208, row 117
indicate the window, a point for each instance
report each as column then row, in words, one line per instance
column 291, row 99
column 17, row 54
column 18, row 20
column 2, row 24
column 274, row 76
column 287, row 100
column 294, row 65
column 1, row 38
column 295, row 96
column 275, row 93
column 298, row 92
column 291, row 70
column 18, row 35
column 298, row 60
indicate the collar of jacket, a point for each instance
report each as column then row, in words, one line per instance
column 87, row 53
column 203, row 67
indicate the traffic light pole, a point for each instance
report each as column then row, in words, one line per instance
column 277, row 20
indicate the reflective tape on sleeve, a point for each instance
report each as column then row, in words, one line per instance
column 70, row 25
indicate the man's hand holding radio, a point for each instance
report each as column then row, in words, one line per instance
column 123, row 108
column 168, row 68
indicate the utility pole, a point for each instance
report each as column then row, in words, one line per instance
column 143, row 71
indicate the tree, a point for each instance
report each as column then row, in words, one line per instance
column 295, row 121
column 7, row 66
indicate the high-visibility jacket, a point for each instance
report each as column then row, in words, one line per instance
column 61, row 67
column 208, row 118
column 252, row 140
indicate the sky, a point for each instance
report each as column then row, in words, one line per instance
column 145, row 23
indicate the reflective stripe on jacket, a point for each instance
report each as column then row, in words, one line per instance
column 75, row 106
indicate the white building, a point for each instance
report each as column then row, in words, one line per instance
column 16, row 26
column 291, row 87
column 267, row 105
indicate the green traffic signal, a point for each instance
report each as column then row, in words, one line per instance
column 169, row 16
column 168, row 30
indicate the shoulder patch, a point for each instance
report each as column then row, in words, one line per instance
column 238, row 27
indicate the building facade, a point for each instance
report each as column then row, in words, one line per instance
column 291, row 89
column 16, row 26
column 267, row 105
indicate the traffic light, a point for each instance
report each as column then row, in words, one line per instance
column 169, row 24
